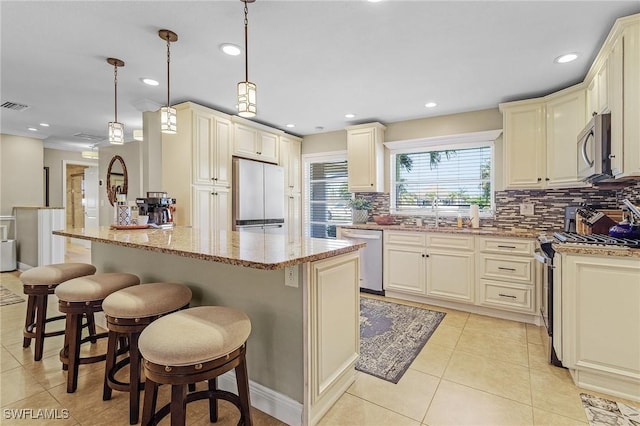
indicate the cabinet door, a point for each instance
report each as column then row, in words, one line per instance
column 268, row 147
column 245, row 141
column 290, row 159
column 211, row 210
column 221, row 153
column 631, row 101
column 365, row 158
column 203, row 144
column 565, row 119
column 524, row 141
column 450, row 275
column 615, row 98
column 404, row 269
column 293, row 220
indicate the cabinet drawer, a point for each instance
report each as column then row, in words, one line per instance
column 450, row 241
column 416, row 239
column 510, row 297
column 511, row 269
column 506, row 245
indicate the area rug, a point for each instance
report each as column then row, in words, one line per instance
column 7, row 297
column 604, row 412
column 391, row 336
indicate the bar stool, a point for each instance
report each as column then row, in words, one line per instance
column 191, row 346
column 79, row 297
column 38, row 283
column 128, row 312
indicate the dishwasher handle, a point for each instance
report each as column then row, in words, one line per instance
column 376, row 236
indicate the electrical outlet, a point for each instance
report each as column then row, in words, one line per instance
column 291, row 276
column 526, row 209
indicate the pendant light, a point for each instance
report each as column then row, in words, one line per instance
column 246, row 89
column 168, row 118
column 116, row 130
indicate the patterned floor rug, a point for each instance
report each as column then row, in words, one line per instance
column 7, row 297
column 604, row 412
column 391, row 336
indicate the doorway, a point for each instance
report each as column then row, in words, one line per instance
column 80, row 197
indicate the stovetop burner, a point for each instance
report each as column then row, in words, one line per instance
column 595, row 239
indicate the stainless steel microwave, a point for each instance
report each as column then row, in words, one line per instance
column 594, row 150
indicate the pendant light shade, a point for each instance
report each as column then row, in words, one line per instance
column 168, row 117
column 116, row 129
column 247, row 106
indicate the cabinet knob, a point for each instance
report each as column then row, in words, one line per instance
column 547, row 179
column 611, row 156
column 259, row 153
column 214, row 193
column 371, row 184
column 539, row 179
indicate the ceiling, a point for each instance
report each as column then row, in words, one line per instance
column 313, row 61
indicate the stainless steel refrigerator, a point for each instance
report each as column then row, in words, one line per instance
column 258, row 196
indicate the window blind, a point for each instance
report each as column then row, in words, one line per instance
column 327, row 197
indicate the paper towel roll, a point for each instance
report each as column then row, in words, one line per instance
column 474, row 215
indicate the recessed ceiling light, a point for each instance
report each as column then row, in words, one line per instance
column 349, row 115
column 150, row 81
column 44, row 124
column 566, row 58
column 430, row 104
column 291, row 126
column 230, row 49
column 33, row 129
column 319, row 128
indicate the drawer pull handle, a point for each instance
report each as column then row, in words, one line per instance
column 507, row 295
column 506, row 269
column 509, row 247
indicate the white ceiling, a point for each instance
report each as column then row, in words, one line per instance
column 313, row 61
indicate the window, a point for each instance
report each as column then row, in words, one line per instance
column 326, row 195
column 445, row 177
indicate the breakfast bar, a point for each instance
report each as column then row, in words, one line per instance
column 302, row 298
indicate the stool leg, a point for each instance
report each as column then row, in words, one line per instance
column 150, row 398
column 110, row 363
column 29, row 319
column 41, row 319
column 178, row 405
column 213, row 402
column 73, row 329
column 91, row 324
column 242, row 380
column 134, row 378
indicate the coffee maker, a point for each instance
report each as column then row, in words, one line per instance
column 159, row 207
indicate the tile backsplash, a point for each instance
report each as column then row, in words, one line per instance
column 548, row 204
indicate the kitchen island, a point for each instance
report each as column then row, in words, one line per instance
column 302, row 299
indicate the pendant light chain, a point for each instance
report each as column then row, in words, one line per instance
column 115, row 88
column 246, row 43
column 168, row 70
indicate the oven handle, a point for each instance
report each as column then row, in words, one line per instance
column 545, row 260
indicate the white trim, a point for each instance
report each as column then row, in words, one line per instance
column 266, row 400
column 325, row 155
column 447, row 140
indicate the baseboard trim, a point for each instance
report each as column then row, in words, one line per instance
column 266, row 400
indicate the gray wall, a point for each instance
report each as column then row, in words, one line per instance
column 21, row 172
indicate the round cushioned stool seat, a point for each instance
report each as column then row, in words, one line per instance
column 194, row 335
column 146, row 300
column 94, row 287
column 56, row 273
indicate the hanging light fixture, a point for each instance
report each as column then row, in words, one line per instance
column 116, row 130
column 168, row 118
column 93, row 154
column 246, row 89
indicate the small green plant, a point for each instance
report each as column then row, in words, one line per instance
column 360, row 203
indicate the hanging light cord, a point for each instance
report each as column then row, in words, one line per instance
column 246, row 51
column 168, row 69
column 115, row 88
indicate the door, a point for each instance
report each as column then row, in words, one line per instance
column 91, row 197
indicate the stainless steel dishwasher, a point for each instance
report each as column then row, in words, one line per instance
column 370, row 257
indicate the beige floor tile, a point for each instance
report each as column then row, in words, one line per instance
column 17, row 384
column 351, row 410
column 409, row 397
column 539, row 357
column 553, row 390
column 38, row 409
column 490, row 375
column 453, row 318
column 490, row 346
column 49, row 373
column 445, row 336
column 455, row 404
column 546, row 418
column 498, row 327
column 536, row 334
column 432, row 359
column 7, row 361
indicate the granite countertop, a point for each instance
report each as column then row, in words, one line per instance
column 248, row 249
column 595, row 250
column 497, row 232
column 37, row 208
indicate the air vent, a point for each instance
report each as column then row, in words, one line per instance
column 14, row 106
column 89, row 137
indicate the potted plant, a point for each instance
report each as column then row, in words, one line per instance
column 359, row 209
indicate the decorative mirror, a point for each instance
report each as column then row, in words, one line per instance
column 117, row 182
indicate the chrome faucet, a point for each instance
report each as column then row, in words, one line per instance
column 434, row 207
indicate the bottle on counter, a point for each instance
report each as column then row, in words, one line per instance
column 459, row 223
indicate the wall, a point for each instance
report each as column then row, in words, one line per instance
column 131, row 153
column 54, row 159
column 21, row 172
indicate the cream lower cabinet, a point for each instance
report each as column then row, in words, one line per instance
column 404, row 262
column 601, row 323
column 211, row 211
column 293, row 221
column 450, row 269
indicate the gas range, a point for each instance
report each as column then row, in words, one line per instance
column 600, row 240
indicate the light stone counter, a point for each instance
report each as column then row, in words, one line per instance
column 498, row 232
column 596, row 251
column 248, row 249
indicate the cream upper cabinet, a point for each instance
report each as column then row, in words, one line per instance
column 597, row 92
column 615, row 101
column 631, row 99
column 255, row 143
column 211, row 149
column 565, row 119
column 524, row 144
column 365, row 157
column 290, row 159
